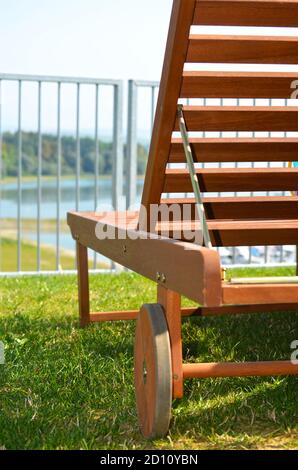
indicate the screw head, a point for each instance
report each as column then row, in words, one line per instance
column 158, row 277
column 163, row 279
column 124, row 249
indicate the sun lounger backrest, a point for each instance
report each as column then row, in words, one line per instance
column 179, row 82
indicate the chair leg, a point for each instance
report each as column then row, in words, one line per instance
column 83, row 285
column 171, row 302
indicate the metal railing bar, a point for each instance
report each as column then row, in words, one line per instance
column 117, row 176
column 131, row 161
column 59, row 163
column 152, row 107
column 39, row 175
column 78, row 148
column 58, row 79
column 96, row 162
column 19, row 184
column 146, row 83
column 1, row 167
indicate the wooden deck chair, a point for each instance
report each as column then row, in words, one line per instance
column 182, row 267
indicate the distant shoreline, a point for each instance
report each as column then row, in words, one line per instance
column 31, row 179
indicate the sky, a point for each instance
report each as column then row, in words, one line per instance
column 118, row 39
column 94, row 38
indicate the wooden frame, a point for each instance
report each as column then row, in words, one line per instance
column 182, row 268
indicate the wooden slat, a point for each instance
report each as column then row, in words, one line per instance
column 237, row 232
column 244, row 369
column 190, row 270
column 175, row 56
column 254, row 233
column 235, row 179
column 272, row 293
column 237, row 85
column 240, row 118
column 131, row 315
column 280, row 13
column 237, row 150
column 243, row 49
column 285, row 207
column 243, row 310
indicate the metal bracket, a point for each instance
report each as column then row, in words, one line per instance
column 194, row 178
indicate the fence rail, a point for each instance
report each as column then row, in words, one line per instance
column 119, row 190
column 117, row 175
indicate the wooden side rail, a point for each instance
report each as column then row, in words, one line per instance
column 131, row 315
column 191, row 270
column 246, row 369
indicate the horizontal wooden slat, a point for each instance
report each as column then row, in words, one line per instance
column 278, row 293
column 237, row 85
column 238, row 369
column 237, row 232
column 254, row 233
column 230, row 180
column 247, row 13
column 240, row 118
column 244, row 207
column 243, row 49
column 237, row 150
column 130, row 315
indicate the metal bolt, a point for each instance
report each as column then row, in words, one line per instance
column 77, row 238
column 158, row 277
column 175, row 377
column 124, row 249
column 163, row 279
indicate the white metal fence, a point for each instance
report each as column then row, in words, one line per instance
column 121, row 189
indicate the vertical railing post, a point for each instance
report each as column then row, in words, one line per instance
column 96, row 161
column 39, row 174
column 78, row 149
column 1, row 163
column 59, row 164
column 20, row 170
column 118, row 147
column 152, row 107
column 132, row 145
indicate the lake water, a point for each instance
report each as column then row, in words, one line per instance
column 9, row 200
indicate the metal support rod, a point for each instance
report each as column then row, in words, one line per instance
column 194, row 178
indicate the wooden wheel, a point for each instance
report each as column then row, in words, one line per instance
column 153, row 372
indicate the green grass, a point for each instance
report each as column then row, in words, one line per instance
column 66, row 388
column 8, row 257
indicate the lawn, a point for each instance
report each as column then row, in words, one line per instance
column 8, row 257
column 66, row 388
